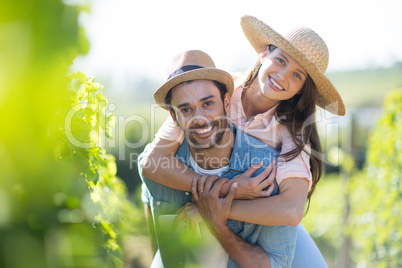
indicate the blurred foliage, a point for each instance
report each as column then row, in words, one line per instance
column 90, row 126
column 375, row 198
column 61, row 204
column 134, row 129
column 376, row 222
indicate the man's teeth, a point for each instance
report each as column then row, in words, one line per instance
column 276, row 84
column 204, row 130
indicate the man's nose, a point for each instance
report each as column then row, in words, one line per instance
column 199, row 117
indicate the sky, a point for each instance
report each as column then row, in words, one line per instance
column 136, row 39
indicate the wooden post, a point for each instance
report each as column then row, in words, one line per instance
column 343, row 260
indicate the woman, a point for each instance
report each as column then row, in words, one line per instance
column 274, row 102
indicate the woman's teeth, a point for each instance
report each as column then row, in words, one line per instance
column 275, row 83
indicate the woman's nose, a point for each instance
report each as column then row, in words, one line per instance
column 282, row 74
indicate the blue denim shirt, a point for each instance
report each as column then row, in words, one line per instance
column 278, row 241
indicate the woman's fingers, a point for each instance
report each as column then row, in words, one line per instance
column 264, row 174
column 253, row 168
column 270, row 179
column 269, row 182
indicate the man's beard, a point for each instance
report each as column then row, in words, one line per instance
column 221, row 126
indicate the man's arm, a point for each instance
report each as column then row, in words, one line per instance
column 215, row 211
column 242, row 252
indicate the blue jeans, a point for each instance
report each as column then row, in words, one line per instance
column 307, row 253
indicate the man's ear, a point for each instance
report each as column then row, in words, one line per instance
column 173, row 115
column 226, row 102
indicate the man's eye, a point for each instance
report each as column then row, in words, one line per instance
column 208, row 103
column 185, row 110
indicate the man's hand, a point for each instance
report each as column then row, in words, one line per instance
column 190, row 215
column 215, row 211
column 213, row 208
column 253, row 187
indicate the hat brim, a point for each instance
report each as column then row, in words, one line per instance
column 260, row 35
column 198, row 74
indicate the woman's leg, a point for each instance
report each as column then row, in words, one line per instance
column 307, row 253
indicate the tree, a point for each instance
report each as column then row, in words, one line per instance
column 61, row 205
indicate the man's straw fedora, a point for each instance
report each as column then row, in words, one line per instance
column 307, row 48
column 191, row 65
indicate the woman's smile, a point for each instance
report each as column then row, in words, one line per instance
column 274, row 84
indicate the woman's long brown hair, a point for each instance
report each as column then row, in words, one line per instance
column 297, row 114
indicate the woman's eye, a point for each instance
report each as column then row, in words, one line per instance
column 281, row 61
column 298, row 76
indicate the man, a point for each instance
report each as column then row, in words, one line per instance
column 198, row 97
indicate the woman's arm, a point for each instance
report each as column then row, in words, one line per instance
column 162, row 166
column 286, row 208
column 252, row 187
column 294, row 180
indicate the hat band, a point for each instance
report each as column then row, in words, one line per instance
column 184, row 69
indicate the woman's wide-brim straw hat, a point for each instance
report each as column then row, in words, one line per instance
column 307, row 48
column 191, row 65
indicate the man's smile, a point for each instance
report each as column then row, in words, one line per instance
column 202, row 131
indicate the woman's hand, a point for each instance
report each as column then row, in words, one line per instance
column 253, row 187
